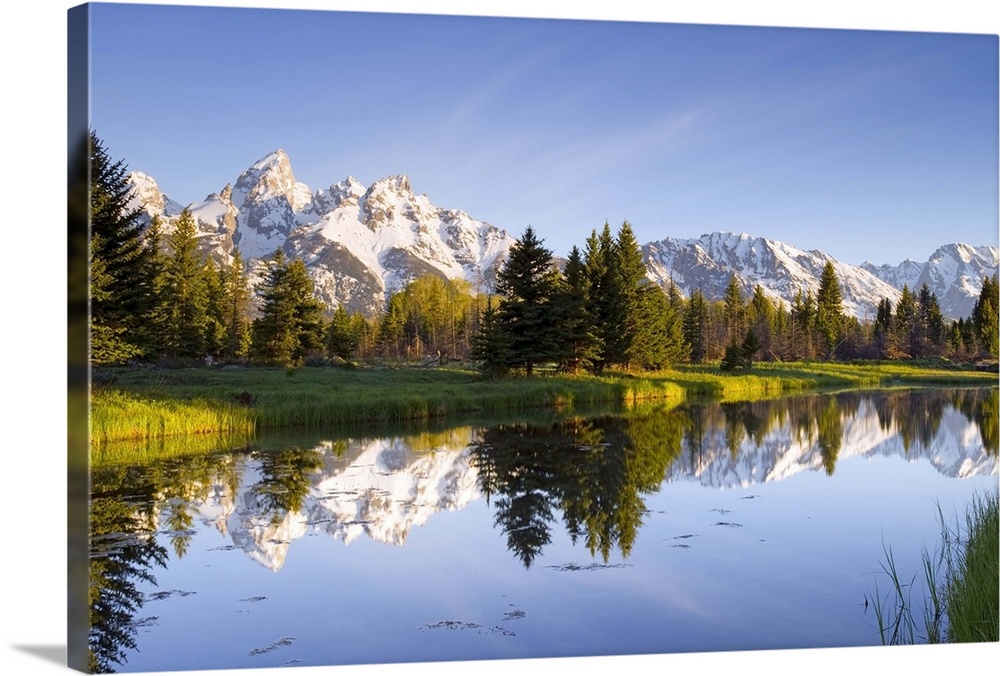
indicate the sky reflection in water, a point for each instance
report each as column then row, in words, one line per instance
column 698, row 528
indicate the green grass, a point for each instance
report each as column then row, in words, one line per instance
column 961, row 596
column 137, row 404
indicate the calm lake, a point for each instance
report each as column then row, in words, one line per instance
column 702, row 527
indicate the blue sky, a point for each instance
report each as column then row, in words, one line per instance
column 871, row 145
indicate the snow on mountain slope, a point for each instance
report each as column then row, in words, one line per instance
column 361, row 243
column 358, row 243
column 782, row 270
column 954, row 272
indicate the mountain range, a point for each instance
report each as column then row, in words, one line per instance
column 361, row 243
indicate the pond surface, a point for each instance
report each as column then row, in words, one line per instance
column 703, row 527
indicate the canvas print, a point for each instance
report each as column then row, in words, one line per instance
column 413, row 338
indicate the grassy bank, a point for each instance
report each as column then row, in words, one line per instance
column 961, row 590
column 138, row 403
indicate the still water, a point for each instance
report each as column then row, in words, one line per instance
column 702, row 527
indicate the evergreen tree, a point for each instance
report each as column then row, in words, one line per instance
column 236, row 297
column 904, row 324
column 695, row 317
column 930, row 323
column 491, row 344
column 290, row 326
column 341, row 335
column 120, row 282
column 186, row 291
column 155, row 328
column 215, row 310
column 604, row 305
column 579, row 342
column 762, row 318
column 985, row 316
column 392, row 325
column 658, row 341
column 735, row 310
column 628, row 280
column 528, row 283
column 829, row 310
column 882, row 329
column 803, row 324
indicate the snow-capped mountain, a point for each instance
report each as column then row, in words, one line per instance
column 359, row 243
column 955, row 272
column 782, row 270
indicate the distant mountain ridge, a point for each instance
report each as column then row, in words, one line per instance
column 361, row 243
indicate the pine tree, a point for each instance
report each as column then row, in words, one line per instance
column 604, row 305
column 290, row 326
column 658, row 341
column 803, row 324
column 528, row 283
column 579, row 343
column 695, row 318
column 762, row 318
column 491, row 344
column 120, row 282
column 236, row 296
column 829, row 310
column 629, row 276
column 985, row 315
column 186, row 291
column 904, row 324
column 735, row 310
column 155, row 328
column 341, row 335
column 882, row 329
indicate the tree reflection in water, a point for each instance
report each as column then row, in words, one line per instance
column 593, row 472
column 588, row 475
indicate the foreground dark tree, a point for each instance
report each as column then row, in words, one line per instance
column 829, row 311
column 120, row 282
column 186, row 291
column 528, row 283
column 579, row 343
column 290, row 326
column 985, row 316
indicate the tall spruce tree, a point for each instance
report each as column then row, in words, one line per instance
column 694, row 326
column 528, row 283
column 829, row 310
column 604, row 300
column 120, row 283
column 186, row 291
column 237, row 297
column 985, row 316
column 579, row 343
column 630, row 304
column 290, row 326
column 658, row 341
column 491, row 344
column 735, row 311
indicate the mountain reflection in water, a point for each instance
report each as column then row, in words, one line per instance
column 587, row 477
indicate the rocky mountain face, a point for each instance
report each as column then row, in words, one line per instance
column 955, row 272
column 361, row 243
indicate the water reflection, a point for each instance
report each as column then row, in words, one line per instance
column 589, row 477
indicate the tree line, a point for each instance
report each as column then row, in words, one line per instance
column 157, row 298
column 601, row 311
